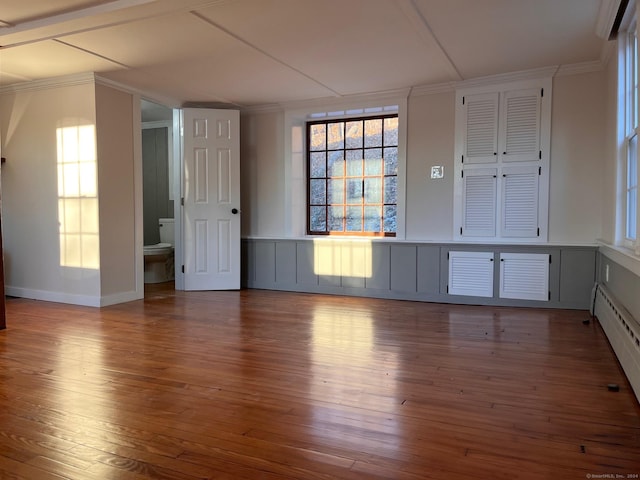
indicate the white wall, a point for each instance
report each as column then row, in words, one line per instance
column 430, row 141
column 577, row 151
column 610, row 154
column 262, row 170
column 28, row 123
column 115, row 129
column 577, row 169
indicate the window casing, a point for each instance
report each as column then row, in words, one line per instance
column 631, row 139
column 352, row 176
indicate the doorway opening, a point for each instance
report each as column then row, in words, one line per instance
column 159, row 196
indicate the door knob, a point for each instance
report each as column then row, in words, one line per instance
column 234, row 211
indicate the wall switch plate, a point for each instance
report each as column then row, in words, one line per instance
column 437, row 171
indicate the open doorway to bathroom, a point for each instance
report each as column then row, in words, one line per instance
column 158, row 196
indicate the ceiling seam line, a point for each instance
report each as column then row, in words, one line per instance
column 124, row 65
column 263, row 52
column 436, row 39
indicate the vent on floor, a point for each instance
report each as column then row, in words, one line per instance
column 623, row 332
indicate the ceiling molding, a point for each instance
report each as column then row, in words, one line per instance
column 434, row 89
column 580, row 68
column 536, row 73
column 162, row 100
column 80, row 14
column 606, row 17
column 48, row 83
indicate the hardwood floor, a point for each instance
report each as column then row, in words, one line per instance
column 271, row 385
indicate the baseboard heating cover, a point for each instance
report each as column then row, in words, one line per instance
column 623, row 332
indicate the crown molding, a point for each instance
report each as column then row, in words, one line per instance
column 533, row 74
column 48, row 83
column 606, row 16
column 436, row 88
column 579, row 68
column 162, row 100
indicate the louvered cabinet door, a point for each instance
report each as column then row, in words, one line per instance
column 520, row 201
column 480, row 128
column 519, row 135
column 479, row 202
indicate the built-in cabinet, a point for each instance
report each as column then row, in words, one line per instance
column 517, row 275
column 501, row 178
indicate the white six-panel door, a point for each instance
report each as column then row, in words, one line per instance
column 211, row 214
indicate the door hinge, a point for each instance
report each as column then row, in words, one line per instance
column 539, row 170
column 447, row 288
column 549, row 258
column 460, row 230
column 447, row 255
column 182, row 201
column 463, row 100
column 182, row 268
column 542, row 92
column 549, row 294
column 540, row 155
column 462, row 173
column 538, row 231
column 462, row 158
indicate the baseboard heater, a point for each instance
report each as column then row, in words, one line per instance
column 623, row 332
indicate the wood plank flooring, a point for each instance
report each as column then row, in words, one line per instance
column 270, row 385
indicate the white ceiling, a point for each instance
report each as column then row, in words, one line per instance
column 257, row 52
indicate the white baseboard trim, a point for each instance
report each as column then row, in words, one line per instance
column 48, row 296
column 74, row 299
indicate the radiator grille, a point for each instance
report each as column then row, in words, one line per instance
column 623, row 332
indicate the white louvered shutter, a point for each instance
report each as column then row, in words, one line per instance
column 480, row 128
column 520, row 128
column 524, row 276
column 520, row 201
column 471, row 273
column 479, row 202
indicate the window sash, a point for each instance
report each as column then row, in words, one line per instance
column 352, row 178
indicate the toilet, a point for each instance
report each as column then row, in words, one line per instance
column 159, row 258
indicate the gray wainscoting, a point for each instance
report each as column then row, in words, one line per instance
column 622, row 283
column 405, row 270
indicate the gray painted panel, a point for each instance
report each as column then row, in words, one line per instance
column 428, row 269
column 285, row 262
column 380, row 265
column 623, row 284
column 404, row 270
column 265, row 257
column 304, row 268
column 577, row 275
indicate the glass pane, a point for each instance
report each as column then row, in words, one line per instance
column 336, row 192
column 318, row 164
column 391, row 131
column 372, row 219
column 318, row 219
column 373, row 190
column 390, row 190
column 391, row 161
column 353, row 134
column 390, row 219
column 336, row 219
column 354, row 191
column 354, row 163
column 373, row 133
column 354, row 219
column 336, row 136
column 318, row 192
column 318, row 140
column 336, row 164
column 373, row 161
